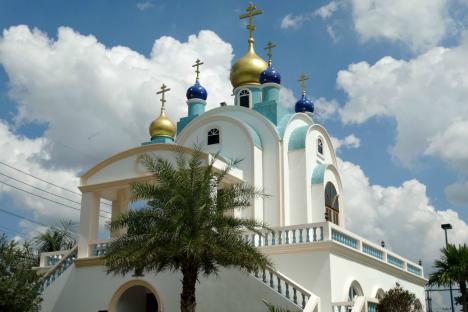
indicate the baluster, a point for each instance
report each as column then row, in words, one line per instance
column 287, row 236
column 307, row 235
column 314, row 234
column 273, row 238
column 294, row 235
column 279, row 237
column 287, row 290
column 294, row 295
column 266, row 239
column 321, row 233
column 256, row 273
column 271, row 279
column 300, row 235
column 279, row 284
column 264, row 276
column 253, row 240
column 303, row 300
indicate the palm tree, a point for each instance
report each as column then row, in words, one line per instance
column 187, row 225
column 451, row 268
column 58, row 237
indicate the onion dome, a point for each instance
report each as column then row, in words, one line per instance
column 248, row 68
column 197, row 92
column 162, row 126
column 304, row 105
column 270, row 75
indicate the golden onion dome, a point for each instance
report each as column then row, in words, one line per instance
column 162, row 126
column 248, row 68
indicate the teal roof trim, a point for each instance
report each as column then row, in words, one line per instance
column 319, row 174
column 256, row 138
column 298, row 136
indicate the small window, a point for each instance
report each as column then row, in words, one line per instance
column 320, row 146
column 332, row 205
column 244, row 98
column 213, row 136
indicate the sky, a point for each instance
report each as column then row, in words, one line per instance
column 389, row 80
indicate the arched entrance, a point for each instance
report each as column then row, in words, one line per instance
column 135, row 296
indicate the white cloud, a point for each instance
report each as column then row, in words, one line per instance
column 97, row 100
column 457, row 193
column 391, row 213
column 27, row 154
column 286, row 98
column 325, row 109
column 426, row 96
column 143, row 6
column 327, row 10
column 421, row 24
column 296, row 21
column 350, row 141
column 450, row 144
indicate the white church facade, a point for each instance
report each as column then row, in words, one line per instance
column 319, row 265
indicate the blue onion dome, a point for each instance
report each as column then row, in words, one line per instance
column 197, row 92
column 270, row 75
column 304, row 105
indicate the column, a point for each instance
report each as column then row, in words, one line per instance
column 89, row 222
column 119, row 206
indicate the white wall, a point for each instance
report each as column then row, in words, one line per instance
column 297, row 210
column 91, row 289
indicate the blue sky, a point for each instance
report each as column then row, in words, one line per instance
column 404, row 101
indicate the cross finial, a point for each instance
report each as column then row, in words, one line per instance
column 163, row 91
column 270, row 45
column 197, row 65
column 251, row 12
column 302, row 79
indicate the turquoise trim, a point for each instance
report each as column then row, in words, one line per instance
column 273, row 111
column 414, row 270
column 183, row 122
column 297, row 140
column 256, row 95
column 196, row 109
column 372, row 251
column 344, row 239
column 158, row 140
column 395, row 261
column 270, row 93
column 319, row 174
column 283, row 123
column 256, row 138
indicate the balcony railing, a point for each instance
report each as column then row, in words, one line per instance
column 287, row 236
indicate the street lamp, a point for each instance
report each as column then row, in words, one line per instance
column 445, row 227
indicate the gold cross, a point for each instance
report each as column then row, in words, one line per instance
column 270, row 45
column 302, row 80
column 197, row 65
column 251, row 12
column 163, row 91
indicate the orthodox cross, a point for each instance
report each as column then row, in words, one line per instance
column 270, row 45
column 163, row 91
column 197, row 65
column 302, row 80
column 251, row 12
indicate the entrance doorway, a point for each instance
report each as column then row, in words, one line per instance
column 135, row 296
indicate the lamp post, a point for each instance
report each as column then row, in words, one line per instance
column 445, row 227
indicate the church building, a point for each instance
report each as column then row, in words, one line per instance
column 319, row 265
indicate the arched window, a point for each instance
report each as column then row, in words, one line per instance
column 380, row 294
column 244, row 98
column 320, row 146
column 332, row 205
column 213, row 136
column 355, row 290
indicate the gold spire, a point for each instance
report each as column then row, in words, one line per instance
column 162, row 126
column 302, row 79
column 197, row 64
column 270, row 45
column 249, row 67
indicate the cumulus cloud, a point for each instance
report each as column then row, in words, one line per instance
column 421, row 24
column 350, row 141
column 26, row 154
column 296, row 21
column 457, row 193
column 97, row 100
column 426, row 96
column 391, row 212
